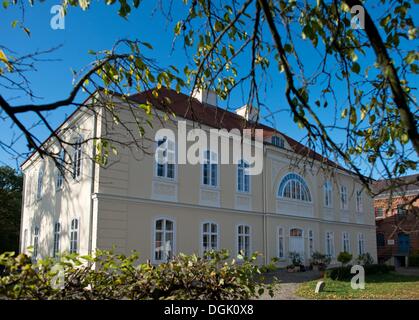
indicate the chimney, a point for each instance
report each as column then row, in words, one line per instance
column 248, row 112
column 205, row 96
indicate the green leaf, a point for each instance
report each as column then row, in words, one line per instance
column 356, row 67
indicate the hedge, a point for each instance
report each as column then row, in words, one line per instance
column 121, row 277
column 344, row 273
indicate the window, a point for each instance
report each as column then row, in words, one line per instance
column 343, row 198
column 77, row 148
column 60, row 170
column 346, row 242
column 163, row 240
column 379, row 212
column 243, row 177
column 36, row 242
column 294, row 187
column 28, row 189
column 359, row 207
column 40, row 182
column 243, row 240
column 330, row 244
column 25, row 239
column 327, row 194
column 310, row 242
column 210, row 169
column 361, row 244
column 281, row 245
column 74, row 236
column 278, row 141
column 381, row 242
column 56, row 244
column 165, row 158
column 209, row 237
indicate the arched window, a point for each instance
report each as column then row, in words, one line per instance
column 209, row 236
column 296, row 232
column 310, row 242
column 294, row 187
column 281, row 245
column 163, row 240
column 346, row 242
column 56, row 244
column 330, row 244
column 74, row 236
column 361, row 244
column 243, row 240
column 243, row 177
column 381, row 242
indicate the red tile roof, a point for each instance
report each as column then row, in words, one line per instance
column 184, row 106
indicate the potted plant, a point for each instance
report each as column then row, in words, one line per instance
column 320, row 262
column 295, row 260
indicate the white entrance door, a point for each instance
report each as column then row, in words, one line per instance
column 296, row 243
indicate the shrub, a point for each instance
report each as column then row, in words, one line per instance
column 320, row 260
column 344, row 257
column 120, row 277
column 295, row 258
column 365, row 259
column 344, row 272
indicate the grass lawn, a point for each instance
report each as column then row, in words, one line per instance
column 381, row 286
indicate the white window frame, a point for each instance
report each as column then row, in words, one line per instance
column 278, row 141
column 343, row 196
column 77, row 165
column 209, row 234
column 36, row 236
column 74, row 243
column 377, row 210
column 359, row 199
column 40, row 182
column 56, row 244
column 346, row 239
column 361, row 244
column 169, row 154
column 328, row 194
column 293, row 180
column 281, row 242
column 211, row 162
column 164, row 232
column 330, row 236
column 242, row 172
column 60, row 176
column 310, row 242
column 243, row 236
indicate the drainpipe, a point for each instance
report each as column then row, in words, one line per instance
column 265, row 231
column 92, row 187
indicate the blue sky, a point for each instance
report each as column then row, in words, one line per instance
column 98, row 29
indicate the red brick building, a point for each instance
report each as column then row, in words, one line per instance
column 397, row 220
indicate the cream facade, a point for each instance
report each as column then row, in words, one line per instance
column 130, row 205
